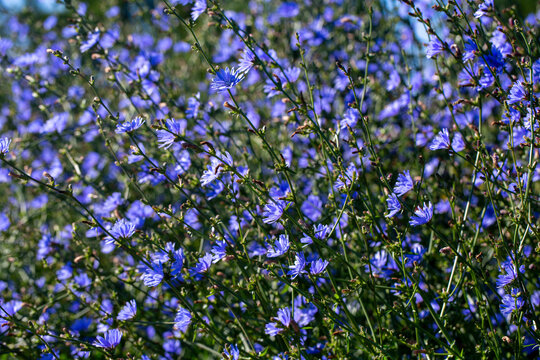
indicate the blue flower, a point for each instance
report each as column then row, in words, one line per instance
column 273, row 211
column 404, row 183
column 484, row 8
column 202, row 266
column 4, row 145
column 457, row 143
column 167, row 137
column 128, row 311
column 434, row 48
column 441, row 141
column 517, row 93
column 198, row 8
column 422, row 215
column 298, row 267
column 123, row 229
column 280, row 247
column 272, row 329
column 226, row 79
column 510, row 274
column 312, row 207
column 318, row 266
column 153, row 275
column 92, row 40
column 393, row 205
column 231, row 352
column 219, row 251
column 129, row 125
column 111, row 339
column 182, row 319
column 511, row 302
column 284, row 316
column 216, row 166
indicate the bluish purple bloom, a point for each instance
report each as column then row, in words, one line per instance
column 434, row 48
column 517, row 93
column 182, row 319
column 284, row 316
column 198, row 8
column 318, row 266
column 128, row 311
column 394, row 206
column 273, row 211
column 167, row 137
column 202, row 266
column 219, row 251
column 422, row 215
column 92, row 40
column 231, row 352
column 404, row 184
column 272, row 329
column 10, row 308
column 246, row 61
column 153, row 275
column 457, row 143
column 123, row 229
column 511, row 302
column 110, row 340
column 129, row 125
column 441, row 141
column 510, row 274
column 280, row 247
column 4, row 145
column 226, row 79
column 312, row 207
column 298, row 267
column 483, row 8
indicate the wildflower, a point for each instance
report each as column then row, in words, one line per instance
column 441, row 141
column 219, row 251
column 213, row 170
column 517, row 93
column 318, row 266
column 393, row 205
column 457, row 143
column 312, row 207
column 298, row 267
column 284, row 316
column 511, row 302
column 167, row 137
column 422, row 215
column 198, row 8
column 280, row 247
column 434, row 48
column 203, row 265
column 247, row 61
column 129, row 125
column 153, row 275
column 4, row 145
column 123, row 229
column 128, row 311
column 231, row 352
column 92, row 40
column 226, row 79
column 273, row 211
column 404, row 183
column 484, row 8
column 111, row 339
column 510, row 274
column 182, row 320
column 272, row 329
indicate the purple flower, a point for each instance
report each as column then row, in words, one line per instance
column 298, row 267
column 123, row 229
column 422, row 215
column 517, row 93
column 216, row 166
column 129, row 125
column 198, row 8
column 284, row 316
column 318, row 266
column 219, row 251
column 280, row 247
column 226, row 79
column 182, row 320
column 434, row 47
column 231, row 352
column 10, row 308
column 202, row 266
column 111, row 339
column 246, row 61
column 92, row 40
column 312, row 207
column 393, row 205
column 441, row 141
column 404, row 183
column 4, row 145
column 273, row 211
column 153, row 275
column 511, row 302
column 483, row 8
column 509, row 275
column 457, row 143
column 272, row 329
column 167, row 137
column 128, row 311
